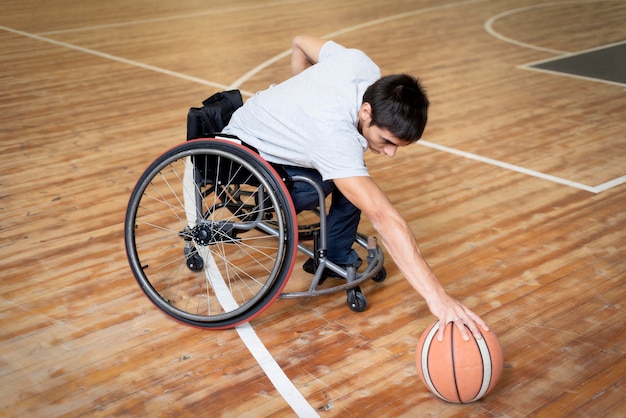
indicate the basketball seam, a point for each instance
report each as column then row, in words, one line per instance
column 425, row 357
column 456, row 384
column 485, row 355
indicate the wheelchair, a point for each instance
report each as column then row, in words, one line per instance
column 211, row 236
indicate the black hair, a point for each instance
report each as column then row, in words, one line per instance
column 399, row 104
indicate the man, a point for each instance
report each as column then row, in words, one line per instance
column 320, row 122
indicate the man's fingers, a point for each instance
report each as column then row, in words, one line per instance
column 468, row 322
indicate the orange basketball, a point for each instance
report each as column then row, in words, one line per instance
column 456, row 370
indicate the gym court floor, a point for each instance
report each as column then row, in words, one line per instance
column 516, row 195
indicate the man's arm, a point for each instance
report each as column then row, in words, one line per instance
column 401, row 244
column 305, row 52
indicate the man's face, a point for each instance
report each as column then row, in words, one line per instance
column 379, row 140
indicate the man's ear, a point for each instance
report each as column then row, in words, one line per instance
column 365, row 113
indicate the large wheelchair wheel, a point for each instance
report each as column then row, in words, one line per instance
column 211, row 233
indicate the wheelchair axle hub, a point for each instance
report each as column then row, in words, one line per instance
column 212, row 232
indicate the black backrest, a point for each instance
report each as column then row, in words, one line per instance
column 214, row 115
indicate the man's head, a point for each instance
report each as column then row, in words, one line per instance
column 398, row 104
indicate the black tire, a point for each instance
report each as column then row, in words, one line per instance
column 356, row 299
column 381, row 275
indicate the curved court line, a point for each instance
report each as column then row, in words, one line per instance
column 235, row 84
column 490, row 30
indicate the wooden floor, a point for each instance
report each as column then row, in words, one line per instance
column 528, row 229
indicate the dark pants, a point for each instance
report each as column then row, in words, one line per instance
column 343, row 217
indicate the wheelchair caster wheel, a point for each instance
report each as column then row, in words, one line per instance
column 193, row 260
column 356, row 300
column 380, row 276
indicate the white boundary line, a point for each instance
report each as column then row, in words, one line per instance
column 597, row 189
column 277, row 376
column 610, row 184
column 573, row 54
column 119, row 59
column 530, row 67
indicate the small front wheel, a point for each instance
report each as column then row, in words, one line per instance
column 195, row 262
column 356, row 300
column 380, row 276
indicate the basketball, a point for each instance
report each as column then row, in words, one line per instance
column 456, row 370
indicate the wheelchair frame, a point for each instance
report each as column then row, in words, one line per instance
column 216, row 207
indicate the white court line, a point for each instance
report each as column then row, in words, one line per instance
column 554, row 179
column 273, row 371
column 490, row 30
column 119, row 59
column 214, row 277
column 277, row 376
column 584, row 51
column 488, row 26
column 610, row 184
column 531, row 65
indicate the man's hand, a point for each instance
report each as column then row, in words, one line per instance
column 449, row 310
column 305, row 52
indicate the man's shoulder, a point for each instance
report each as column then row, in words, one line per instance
column 333, row 50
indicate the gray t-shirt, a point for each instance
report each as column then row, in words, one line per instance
column 310, row 120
